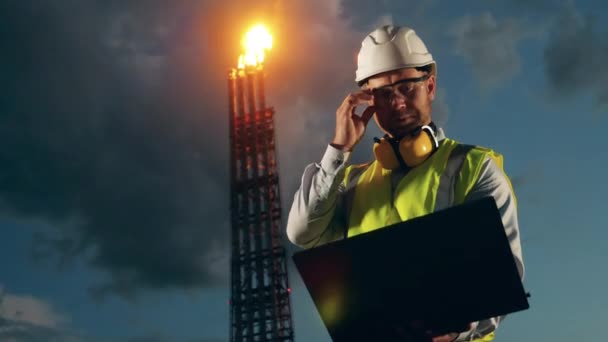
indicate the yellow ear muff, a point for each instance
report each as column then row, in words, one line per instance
column 413, row 150
column 417, row 148
column 385, row 155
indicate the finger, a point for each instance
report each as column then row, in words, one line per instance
column 364, row 97
column 445, row 338
column 356, row 99
column 367, row 114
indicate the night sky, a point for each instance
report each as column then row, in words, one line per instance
column 114, row 189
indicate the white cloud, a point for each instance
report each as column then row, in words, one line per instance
column 31, row 310
column 13, row 331
column 25, row 318
column 334, row 7
column 217, row 259
column 386, row 19
column 440, row 108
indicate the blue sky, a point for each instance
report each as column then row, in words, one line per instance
column 113, row 206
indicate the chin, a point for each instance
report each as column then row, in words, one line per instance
column 400, row 125
column 401, row 132
column 405, row 128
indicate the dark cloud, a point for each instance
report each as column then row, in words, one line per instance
column 574, row 58
column 535, row 6
column 490, row 46
column 113, row 125
column 97, row 140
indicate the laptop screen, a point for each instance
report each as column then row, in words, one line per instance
column 446, row 269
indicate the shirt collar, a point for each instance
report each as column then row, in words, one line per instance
column 440, row 134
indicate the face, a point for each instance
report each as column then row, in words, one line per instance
column 402, row 106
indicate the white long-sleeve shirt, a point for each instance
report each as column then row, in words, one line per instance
column 319, row 200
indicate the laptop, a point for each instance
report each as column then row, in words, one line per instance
column 446, row 269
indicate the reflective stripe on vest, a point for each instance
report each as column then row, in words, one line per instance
column 447, row 181
column 441, row 181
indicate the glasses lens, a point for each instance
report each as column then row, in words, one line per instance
column 406, row 87
column 382, row 93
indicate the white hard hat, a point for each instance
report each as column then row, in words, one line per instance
column 391, row 48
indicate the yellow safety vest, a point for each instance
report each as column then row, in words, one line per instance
column 441, row 181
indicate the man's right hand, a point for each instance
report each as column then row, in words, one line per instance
column 350, row 127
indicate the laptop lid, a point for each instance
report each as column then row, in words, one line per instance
column 446, row 269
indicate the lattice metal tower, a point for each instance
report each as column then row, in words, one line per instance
column 260, row 303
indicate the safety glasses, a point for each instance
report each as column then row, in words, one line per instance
column 404, row 88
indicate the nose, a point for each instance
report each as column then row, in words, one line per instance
column 398, row 101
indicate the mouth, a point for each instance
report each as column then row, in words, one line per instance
column 404, row 117
column 404, row 123
column 404, row 114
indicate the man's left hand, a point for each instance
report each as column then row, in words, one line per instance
column 445, row 338
column 449, row 337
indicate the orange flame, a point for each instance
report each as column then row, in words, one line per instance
column 255, row 43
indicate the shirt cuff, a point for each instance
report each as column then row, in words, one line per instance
column 334, row 160
column 465, row 336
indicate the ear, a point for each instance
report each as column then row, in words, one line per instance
column 431, row 87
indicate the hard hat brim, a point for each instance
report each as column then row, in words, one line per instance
column 363, row 77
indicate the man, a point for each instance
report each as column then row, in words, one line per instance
column 417, row 170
